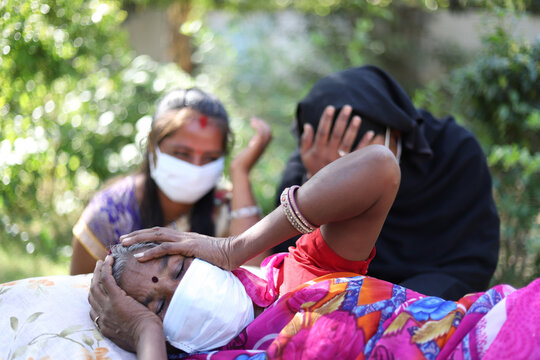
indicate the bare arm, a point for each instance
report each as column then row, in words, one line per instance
column 349, row 199
column 242, row 194
column 81, row 260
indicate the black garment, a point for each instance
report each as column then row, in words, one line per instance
column 441, row 236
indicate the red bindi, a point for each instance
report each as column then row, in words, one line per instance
column 203, row 120
column 155, row 279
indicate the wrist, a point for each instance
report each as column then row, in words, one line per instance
column 245, row 212
column 146, row 327
column 237, row 245
column 150, row 341
column 238, row 173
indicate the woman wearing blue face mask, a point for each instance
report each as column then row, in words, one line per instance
column 178, row 183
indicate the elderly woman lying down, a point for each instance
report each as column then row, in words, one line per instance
column 170, row 294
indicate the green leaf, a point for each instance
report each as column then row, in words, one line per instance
column 20, row 351
column 34, row 317
column 69, row 330
column 14, row 323
column 97, row 335
column 88, row 340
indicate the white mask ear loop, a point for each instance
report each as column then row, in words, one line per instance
column 398, row 151
column 398, row 143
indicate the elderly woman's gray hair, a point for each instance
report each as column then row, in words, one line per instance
column 121, row 255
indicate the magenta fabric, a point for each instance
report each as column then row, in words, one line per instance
column 340, row 316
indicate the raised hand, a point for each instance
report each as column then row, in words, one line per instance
column 246, row 159
column 328, row 144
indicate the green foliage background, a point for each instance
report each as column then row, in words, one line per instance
column 76, row 100
column 498, row 97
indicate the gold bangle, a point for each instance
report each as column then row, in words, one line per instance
column 292, row 212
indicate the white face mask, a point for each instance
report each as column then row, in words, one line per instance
column 387, row 143
column 183, row 182
column 209, row 308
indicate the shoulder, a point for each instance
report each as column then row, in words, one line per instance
column 116, row 189
column 117, row 196
column 448, row 138
column 112, row 212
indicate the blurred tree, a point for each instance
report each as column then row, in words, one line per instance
column 75, row 100
column 72, row 102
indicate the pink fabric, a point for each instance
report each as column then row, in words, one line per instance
column 519, row 337
column 263, row 292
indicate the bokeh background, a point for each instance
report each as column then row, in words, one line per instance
column 80, row 79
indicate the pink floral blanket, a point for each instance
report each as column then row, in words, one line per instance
column 360, row 317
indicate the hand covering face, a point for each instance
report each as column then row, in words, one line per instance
column 374, row 96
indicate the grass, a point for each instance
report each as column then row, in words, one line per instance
column 16, row 264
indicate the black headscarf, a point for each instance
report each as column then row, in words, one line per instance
column 373, row 95
column 444, row 220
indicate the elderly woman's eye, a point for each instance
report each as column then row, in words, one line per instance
column 160, row 307
column 179, row 270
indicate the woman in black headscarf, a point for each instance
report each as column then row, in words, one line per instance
column 441, row 236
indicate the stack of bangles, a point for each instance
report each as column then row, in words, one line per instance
column 291, row 210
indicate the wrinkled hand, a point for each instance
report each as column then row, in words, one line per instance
column 216, row 251
column 246, row 159
column 321, row 149
column 121, row 318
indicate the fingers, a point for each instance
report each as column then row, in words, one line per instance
column 377, row 139
column 95, row 292
column 262, row 129
column 160, row 251
column 323, row 130
column 366, row 140
column 244, row 161
column 339, row 127
column 306, row 141
column 156, row 234
column 106, row 278
column 258, row 142
column 100, row 287
column 350, row 135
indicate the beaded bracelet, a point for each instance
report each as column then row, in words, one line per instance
column 245, row 212
column 292, row 212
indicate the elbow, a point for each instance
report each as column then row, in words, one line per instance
column 387, row 165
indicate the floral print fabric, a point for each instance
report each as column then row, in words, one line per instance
column 333, row 317
column 360, row 317
column 48, row 319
